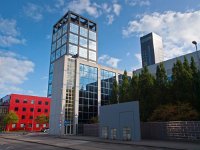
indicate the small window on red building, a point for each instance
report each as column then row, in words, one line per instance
column 39, row 102
column 16, row 101
column 23, row 109
column 39, row 110
column 29, row 125
column 46, row 110
column 46, row 103
column 23, row 117
column 25, row 101
column 31, row 109
column 31, row 117
column 16, row 109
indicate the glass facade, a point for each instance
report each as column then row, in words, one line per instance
column 88, row 93
column 83, row 32
column 74, row 28
column 73, row 49
column 92, row 55
column 83, row 52
column 107, row 79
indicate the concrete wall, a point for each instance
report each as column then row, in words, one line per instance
column 119, row 116
column 180, row 130
column 91, row 130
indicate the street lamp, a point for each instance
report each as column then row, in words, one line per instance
column 198, row 59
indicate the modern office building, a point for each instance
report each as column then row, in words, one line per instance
column 78, row 86
column 27, row 109
column 168, row 64
column 151, row 49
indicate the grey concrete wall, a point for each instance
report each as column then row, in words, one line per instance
column 119, row 116
column 179, row 130
column 91, row 130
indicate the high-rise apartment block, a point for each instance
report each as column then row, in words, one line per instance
column 151, row 49
column 78, row 86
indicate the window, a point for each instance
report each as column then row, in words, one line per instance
column 105, row 132
column 54, row 37
column 64, row 39
column 46, row 103
column 63, row 50
column 64, row 28
column 92, row 35
column 83, row 42
column 58, row 53
column 30, row 125
column 51, row 68
column 44, row 125
column 16, row 101
column 39, row 110
column 46, row 110
column 73, row 38
column 73, row 28
column 52, row 57
column 58, row 43
column 31, row 109
column 37, row 125
column 16, row 109
column 82, row 52
column 25, row 101
column 13, row 125
column 92, row 55
column 22, row 125
column 59, row 33
column 31, row 117
column 23, row 109
column 92, row 45
column 49, row 89
column 50, row 78
column 83, row 32
column 53, row 47
column 23, row 116
column 39, row 102
column 73, row 49
column 126, row 133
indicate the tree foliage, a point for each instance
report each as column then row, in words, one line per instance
column 42, row 119
column 123, row 93
column 115, row 93
column 10, row 118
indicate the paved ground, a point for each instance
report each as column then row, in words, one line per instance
column 7, row 144
column 86, row 143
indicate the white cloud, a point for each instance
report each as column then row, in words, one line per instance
column 9, row 33
column 138, row 2
column 15, row 69
column 33, row 11
column 139, row 61
column 116, row 8
column 110, row 19
column 177, row 29
column 110, row 61
column 82, row 6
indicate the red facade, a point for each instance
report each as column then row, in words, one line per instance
column 28, row 108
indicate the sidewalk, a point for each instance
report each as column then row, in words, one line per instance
column 58, row 141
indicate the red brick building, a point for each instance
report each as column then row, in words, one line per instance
column 27, row 108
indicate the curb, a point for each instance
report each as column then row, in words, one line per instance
column 38, row 143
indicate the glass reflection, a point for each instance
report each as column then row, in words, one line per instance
column 82, row 52
column 83, row 42
column 63, row 50
column 73, row 28
column 92, row 35
column 83, row 32
column 92, row 45
column 73, row 38
column 73, row 49
column 92, row 55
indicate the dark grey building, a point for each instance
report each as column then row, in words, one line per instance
column 151, row 49
column 120, row 121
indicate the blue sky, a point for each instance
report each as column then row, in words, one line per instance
column 26, row 27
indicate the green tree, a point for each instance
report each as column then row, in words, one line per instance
column 174, row 112
column 94, row 120
column 133, row 88
column 115, row 93
column 10, row 118
column 146, row 93
column 123, row 94
column 41, row 119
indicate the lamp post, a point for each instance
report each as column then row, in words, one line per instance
column 198, row 59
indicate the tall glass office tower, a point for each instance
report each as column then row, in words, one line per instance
column 77, row 85
column 151, row 49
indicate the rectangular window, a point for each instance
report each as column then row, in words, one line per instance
column 73, row 49
column 73, row 38
column 23, row 109
column 39, row 110
column 59, row 33
column 22, row 125
column 92, row 35
column 16, row 109
column 50, row 78
column 83, row 42
column 73, row 28
column 31, row 117
column 58, row 53
column 51, row 68
column 23, row 116
column 53, row 47
column 52, row 57
column 64, row 39
column 31, row 109
column 63, row 50
column 39, row 102
column 30, row 125
column 82, row 52
column 105, row 132
column 37, row 125
column 113, row 133
column 58, row 43
column 46, row 103
column 92, row 55
column 44, row 125
column 83, row 32
column 92, row 45
column 25, row 101
column 16, row 101
column 46, row 110
column 65, row 28
column 127, row 133
column 13, row 125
